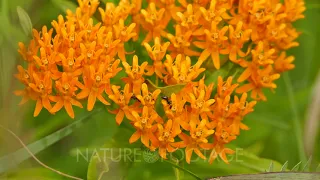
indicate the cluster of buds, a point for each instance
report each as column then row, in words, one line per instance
column 78, row 64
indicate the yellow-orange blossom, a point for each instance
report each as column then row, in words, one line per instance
column 77, row 60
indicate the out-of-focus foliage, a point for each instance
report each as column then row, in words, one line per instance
column 270, row 138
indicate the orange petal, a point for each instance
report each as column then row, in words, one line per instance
column 204, row 55
column 119, row 117
column 91, row 100
column 245, row 75
column 57, row 106
column 38, row 108
column 68, row 107
column 83, row 94
column 135, row 136
column 101, row 99
column 188, row 155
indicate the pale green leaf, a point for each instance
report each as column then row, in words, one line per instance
column 25, row 21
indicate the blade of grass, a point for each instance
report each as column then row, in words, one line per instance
column 12, row 160
column 296, row 122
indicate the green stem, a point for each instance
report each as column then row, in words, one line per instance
column 183, row 169
column 296, row 122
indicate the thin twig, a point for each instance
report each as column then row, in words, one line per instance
column 35, row 158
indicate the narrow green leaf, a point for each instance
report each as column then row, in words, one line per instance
column 296, row 167
column 25, row 21
column 307, row 165
column 12, row 160
column 296, row 117
column 64, row 5
column 284, row 167
column 270, row 167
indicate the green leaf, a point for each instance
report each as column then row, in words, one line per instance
column 318, row 168
column 12, row 160
column 296, row 167
column 167, row 90
column 25, row 21
column 285, row 166
column 64, row 5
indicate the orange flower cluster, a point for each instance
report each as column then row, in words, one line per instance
column 81, row 59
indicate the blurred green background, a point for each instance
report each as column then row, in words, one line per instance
column 272, row 134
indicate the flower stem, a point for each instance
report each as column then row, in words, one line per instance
column 296, row 122
column 183, row 169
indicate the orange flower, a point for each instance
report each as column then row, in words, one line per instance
column 27, row 53
column 145, row 127
column 107, row 42
column 147, row 98
column 135, row 74
column 43, row 86
column 214, row 45
column 154, row 22
column 220, row 150
column 124, row 34
column 72, row 64
column 156, row 53
column 174, row 108
column 200, row 104
column 90, row 53
column 122, row 99
column 238, row 36
column 95, row 82
column 67, row 87
column 283, row 63
column 166, row 135
column 213, row 14
column 294, row 9
column 197, row 139
column 190, row 18
column 262, row 55
column 26, row 77
column 180, row 43
column 263, row 78
column 181, row 71
column 225, row 88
